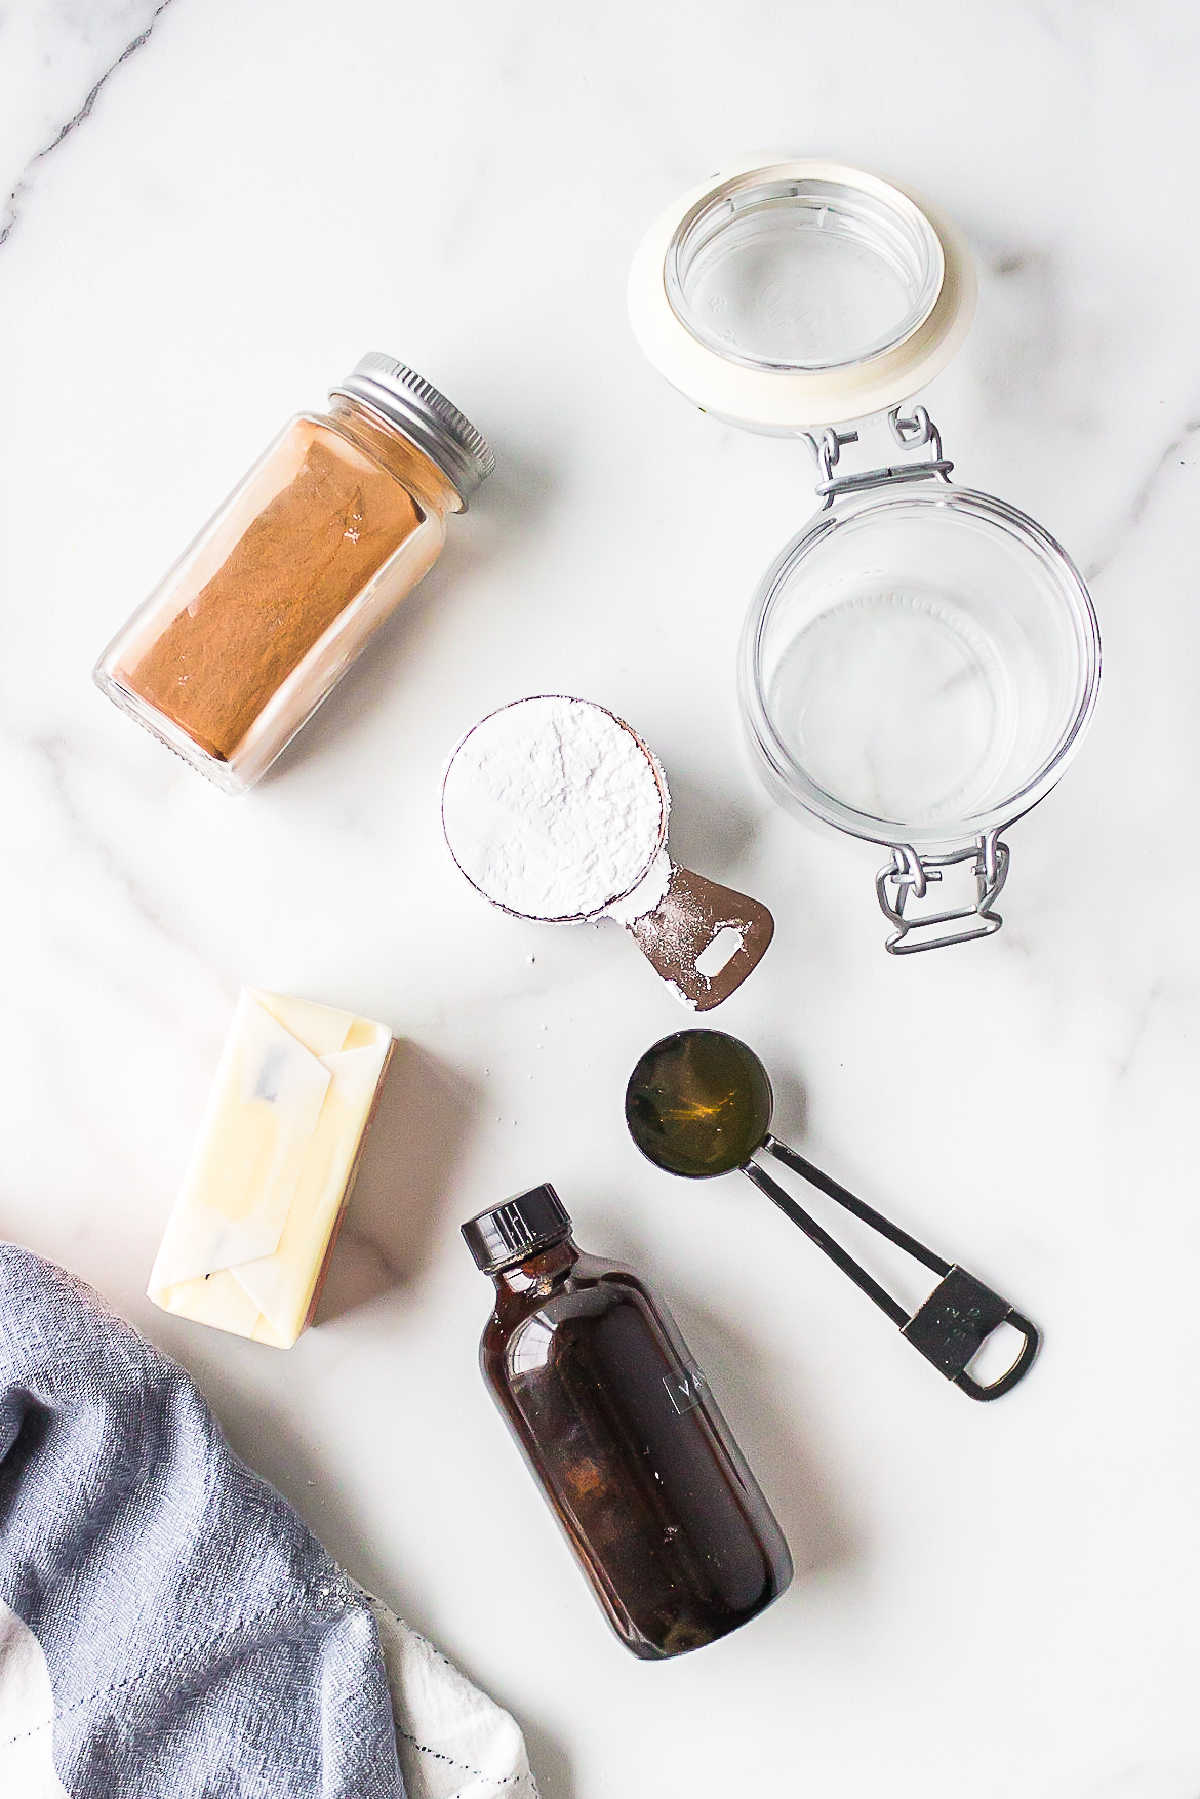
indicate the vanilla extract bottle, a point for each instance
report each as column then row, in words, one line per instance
column 620, row 1430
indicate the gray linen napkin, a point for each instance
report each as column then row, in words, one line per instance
column 168, row 1626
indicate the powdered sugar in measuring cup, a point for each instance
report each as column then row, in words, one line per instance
column 554, row 809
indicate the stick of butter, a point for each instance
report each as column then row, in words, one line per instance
column 248, row 1239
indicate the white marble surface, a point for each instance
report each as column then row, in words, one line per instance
column 997, row 1600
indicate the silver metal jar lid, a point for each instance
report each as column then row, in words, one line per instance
column 425, row 416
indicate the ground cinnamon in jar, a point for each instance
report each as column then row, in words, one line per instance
column 338, row 521
column 294, row 570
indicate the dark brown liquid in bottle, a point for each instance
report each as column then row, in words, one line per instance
column 619, row 1427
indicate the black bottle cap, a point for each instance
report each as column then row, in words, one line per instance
column 506, row 1234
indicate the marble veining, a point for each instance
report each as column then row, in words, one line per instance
column 211, row 215
column 18, row 191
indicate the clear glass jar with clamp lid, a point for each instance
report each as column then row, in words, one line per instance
column 921, row 661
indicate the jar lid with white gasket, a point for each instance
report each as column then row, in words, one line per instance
column 921, row 661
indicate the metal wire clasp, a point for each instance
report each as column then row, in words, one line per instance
column 911, row 432
column 906, row 878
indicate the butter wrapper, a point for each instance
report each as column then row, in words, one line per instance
column 248, row 1238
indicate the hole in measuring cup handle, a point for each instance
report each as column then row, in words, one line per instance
column 697, row 916
column 908, row 877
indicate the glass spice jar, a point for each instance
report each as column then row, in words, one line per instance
column 334, row 525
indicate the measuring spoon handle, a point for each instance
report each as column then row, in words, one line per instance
column 954, row 1323
column 679, row 938
column 824, row 1183
column 951, row 1326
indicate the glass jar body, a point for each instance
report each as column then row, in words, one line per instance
column 334, row 525
column 919, row 666
column 621, row 1432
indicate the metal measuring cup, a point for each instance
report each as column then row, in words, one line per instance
column 703, row 939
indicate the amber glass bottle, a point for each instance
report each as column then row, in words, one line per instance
column 620, row 1430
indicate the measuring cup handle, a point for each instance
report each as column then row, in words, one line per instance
column 683, row 941
column 954, row 1323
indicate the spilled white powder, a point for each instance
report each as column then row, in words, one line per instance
column 554, row 810
column 646, row 895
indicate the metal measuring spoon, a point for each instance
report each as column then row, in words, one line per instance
column 699, row 1104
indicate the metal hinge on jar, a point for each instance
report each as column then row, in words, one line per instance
column 906, row 878
column 911, row 431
